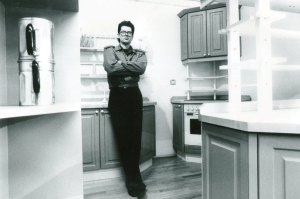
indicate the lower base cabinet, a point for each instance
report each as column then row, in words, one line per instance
column 99, row 144
column 242, row 165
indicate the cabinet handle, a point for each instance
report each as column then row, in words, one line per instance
column 96, row 112
column 204, row 55
column 208, row 54
column 102, row 111
column 179, row 106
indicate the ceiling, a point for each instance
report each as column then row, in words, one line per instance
column 65, row 5
column 282, row 5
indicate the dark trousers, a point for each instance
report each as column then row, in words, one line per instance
column 126, row 111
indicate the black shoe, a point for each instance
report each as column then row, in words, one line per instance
column 135, row 188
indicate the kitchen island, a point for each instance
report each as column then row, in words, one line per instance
column 252, row 154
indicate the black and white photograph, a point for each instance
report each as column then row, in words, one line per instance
column 150, row 99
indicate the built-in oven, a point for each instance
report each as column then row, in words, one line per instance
column 192, row 125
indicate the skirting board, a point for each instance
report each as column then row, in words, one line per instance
column 189, row 157
column 111, row 173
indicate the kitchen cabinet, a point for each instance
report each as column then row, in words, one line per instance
column 106, row 149
column 178, row 127
column 225, row 160
column 201, row 42
column 250, row 165
column 148, row 149
column 199, row 32
column 90, row 139
column 281, row 178
column 108, row 143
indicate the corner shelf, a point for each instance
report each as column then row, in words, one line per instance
column 205, row 90
column 92, row 76
column 90, row 49
column 24, row 111
column 203, row 78
column 91, row 63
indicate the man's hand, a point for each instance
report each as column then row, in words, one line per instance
column 120, row 62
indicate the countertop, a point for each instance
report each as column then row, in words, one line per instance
column 204, row 99
column 146, row 102
column 276, row 121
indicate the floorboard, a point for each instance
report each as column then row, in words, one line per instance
column 167, row 178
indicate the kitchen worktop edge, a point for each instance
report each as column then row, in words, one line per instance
column 283, row 119
column 100, row 105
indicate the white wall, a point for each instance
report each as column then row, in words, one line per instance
column 286, row 84
column 2, row 56
column 160, row 26
column 3, row 128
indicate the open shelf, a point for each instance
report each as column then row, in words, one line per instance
column 102, row 76
column 91, row 49
column 204, row 90
column 248, row 85
column 91, row 63
column 204, row 78
column 22, row 111
column 241, row 26
column 253, row 64
column 246, row 27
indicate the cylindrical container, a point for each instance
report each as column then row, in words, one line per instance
column 36, row 62
column 36, row 39
column 36, row 82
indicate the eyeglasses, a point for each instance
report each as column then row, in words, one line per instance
column 123, row 33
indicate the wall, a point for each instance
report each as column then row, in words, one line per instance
column 45, row 160
column 3, row 128
column 45, row 152
column 159, row 25
column 286, row 84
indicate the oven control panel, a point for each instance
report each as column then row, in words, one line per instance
column 191, row 108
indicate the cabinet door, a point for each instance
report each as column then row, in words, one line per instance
column 225, row 163
column 178, row 127
column 148, row 149
column 197, row 34
column 279, row 166
column 108, row 143
column 90, row 139
column 184, row 36
column 216, row 43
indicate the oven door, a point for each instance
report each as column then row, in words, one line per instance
column 192, row 129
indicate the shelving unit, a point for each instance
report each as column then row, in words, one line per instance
column 21, row 111
column 260, row 27
column 41, row 152
column 94, row 50
column 214, row 88
column 202, row 45
column 93, row 53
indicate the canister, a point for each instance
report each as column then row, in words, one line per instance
column 36, row 62
column 37, row 82
column 36, row 39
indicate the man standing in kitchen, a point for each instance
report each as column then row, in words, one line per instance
column 124, row 65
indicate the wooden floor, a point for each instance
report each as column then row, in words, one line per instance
column 167, row 178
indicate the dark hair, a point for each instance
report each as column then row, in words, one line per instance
column 125, row 23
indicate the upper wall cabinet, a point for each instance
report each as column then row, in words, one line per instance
column 199, row 32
